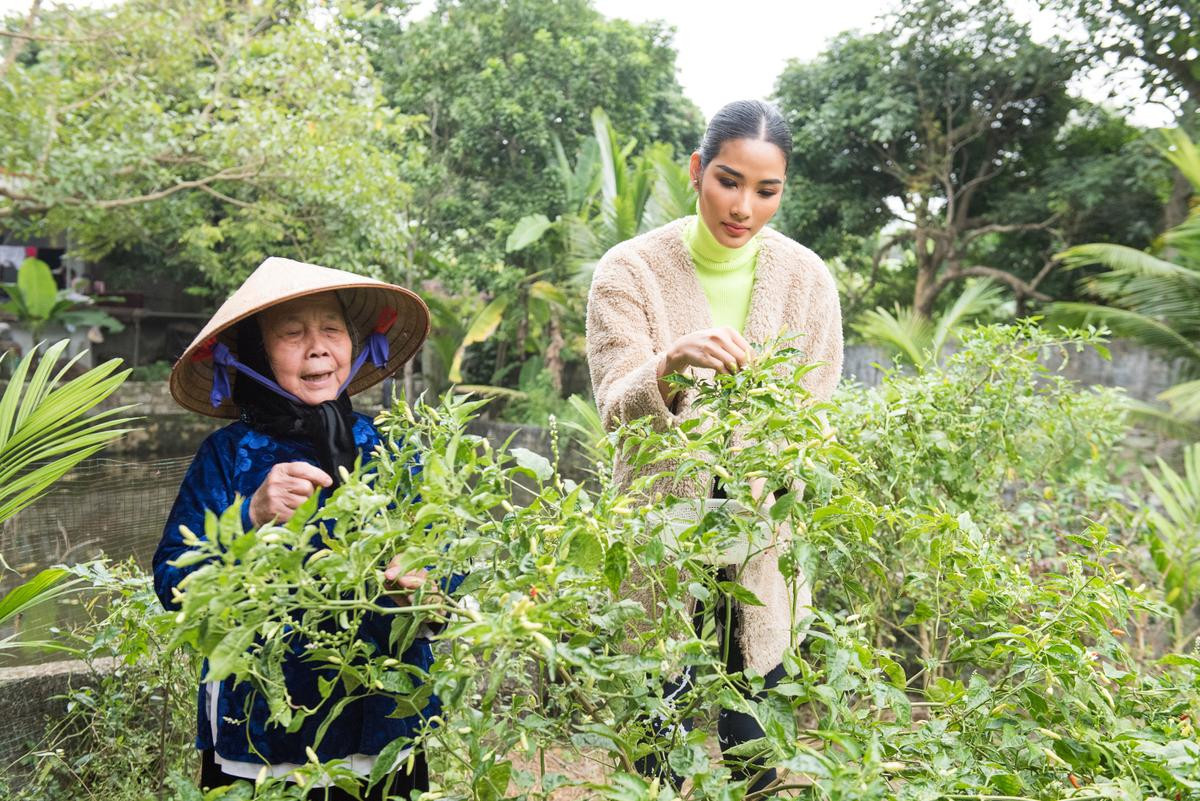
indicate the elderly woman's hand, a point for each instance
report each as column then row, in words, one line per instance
column 402, row 586
column 288, row 485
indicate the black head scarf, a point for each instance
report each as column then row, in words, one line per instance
column 328, row 426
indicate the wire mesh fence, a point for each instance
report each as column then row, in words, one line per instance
column 104, row 507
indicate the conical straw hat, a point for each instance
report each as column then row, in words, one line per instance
column 277, row 280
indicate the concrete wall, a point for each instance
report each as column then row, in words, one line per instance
column 1140, row 371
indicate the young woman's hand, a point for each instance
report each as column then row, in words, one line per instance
column 288, row 485
column 722, row 349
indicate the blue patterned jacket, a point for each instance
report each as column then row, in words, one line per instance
column 234, row 461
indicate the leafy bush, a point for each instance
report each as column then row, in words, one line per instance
column 942, row 659
column 130, row 719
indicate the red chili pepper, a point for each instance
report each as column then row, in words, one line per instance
column 1074, row 781
column 533, row 592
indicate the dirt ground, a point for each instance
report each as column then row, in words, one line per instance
column 588, row 767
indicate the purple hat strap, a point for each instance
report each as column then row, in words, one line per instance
column 376, row 349
column 224, row 359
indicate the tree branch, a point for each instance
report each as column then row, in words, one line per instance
column 17, row 46
column 1021, row 287
column 877, row 259
column 230, row 174
column 984, row 230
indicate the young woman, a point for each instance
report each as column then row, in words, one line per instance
column 693, row 297
column 287, row 339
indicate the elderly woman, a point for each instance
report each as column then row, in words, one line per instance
column 287, row 338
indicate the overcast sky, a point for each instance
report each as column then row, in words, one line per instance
column 733, row 50
column 736, row 50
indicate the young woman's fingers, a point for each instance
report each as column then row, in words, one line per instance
column 734, row 343
column 741, row 342
column 721, row 359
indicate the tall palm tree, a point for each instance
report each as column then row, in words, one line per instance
column 1153, row 296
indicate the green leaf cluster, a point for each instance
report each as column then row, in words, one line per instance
column 968, row 634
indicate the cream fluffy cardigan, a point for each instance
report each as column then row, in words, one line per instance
column 644, row 296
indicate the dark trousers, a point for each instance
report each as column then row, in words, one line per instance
column 402, row 783
column 733, row 728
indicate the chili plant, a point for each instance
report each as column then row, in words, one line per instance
column 941, row 657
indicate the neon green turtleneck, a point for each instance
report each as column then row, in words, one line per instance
column 726, row 274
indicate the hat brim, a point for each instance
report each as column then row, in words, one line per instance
column 191, row 377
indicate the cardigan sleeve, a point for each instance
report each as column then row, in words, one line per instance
column 622, row 356
column 824, row 342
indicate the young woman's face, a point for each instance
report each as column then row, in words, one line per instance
column 739, row 189
column 308, row 346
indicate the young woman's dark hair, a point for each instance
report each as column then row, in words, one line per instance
column 745, row 119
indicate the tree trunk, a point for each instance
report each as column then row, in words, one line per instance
column 410, row 382
column 924, row 296
column 1176, row 210
column 554, row 360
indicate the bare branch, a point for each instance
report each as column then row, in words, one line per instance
column 877, row 259
column 96, row 95
column 984, row 230
column 23, row 36
column 17, row 46
column 230, row 174
column 1023, row 288
column 224, row 197
column 1047, row 268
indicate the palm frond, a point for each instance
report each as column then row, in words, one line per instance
column 977, row 297
column 45, row 429
column 1184, row 399
column 905, row 332
column 673, row 196
column 48, row 585
column 1185, row 238
column 1178, row 148
column 1161, row 421
column 1126, row 323
column 587, row 429
column 1126, row 262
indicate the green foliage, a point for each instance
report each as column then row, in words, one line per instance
column 1158, row 37
column 584, row 427
column 128, row 727
column 993, row 434
column 917, row 341
column 1172, row 537
column 36, row 301
column 499, row 83
column 45, row 429
column 951, row 130
column 1153, row 296
column 47, row 586
column 936, row 662
column 214, row 135
column 611, row 195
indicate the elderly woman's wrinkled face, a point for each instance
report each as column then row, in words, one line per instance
column 308, row 346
